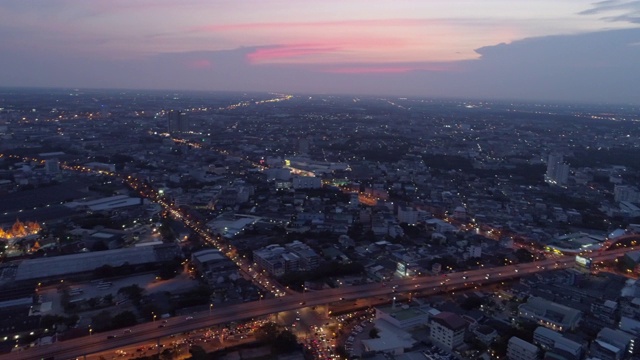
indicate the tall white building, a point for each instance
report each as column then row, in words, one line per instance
column 557, row 171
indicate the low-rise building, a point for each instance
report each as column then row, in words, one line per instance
column 403, row 317
column 552, row 340
column 447, row 330
column 550, row 314
column 518, row 349
column 611, row 344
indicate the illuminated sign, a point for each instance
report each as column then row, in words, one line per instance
column 582, row 261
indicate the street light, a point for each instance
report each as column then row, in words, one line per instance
column 154, row 316
column 210, row 307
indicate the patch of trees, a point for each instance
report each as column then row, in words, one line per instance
column 107, row 271
column 132, row 292
column 198, row 296
column 629, row 157
column 281, row 341
column 48, row 321
column 103, row 321
column 524, row 255
column 295, row 280
column 447, row 162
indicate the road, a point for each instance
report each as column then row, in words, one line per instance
column 426, row 285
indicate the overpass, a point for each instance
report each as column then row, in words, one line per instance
column 150, row 332
column 619, row 241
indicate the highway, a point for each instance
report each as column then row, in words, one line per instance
column 426, row 285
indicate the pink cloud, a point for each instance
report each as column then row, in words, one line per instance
column 267, row 54
column 325, row 47
column 198, row 64
column 316, row 24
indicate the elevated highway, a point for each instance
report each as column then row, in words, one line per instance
column 426, row 285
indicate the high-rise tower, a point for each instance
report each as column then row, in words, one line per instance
column 178, row 122
column 557, row 171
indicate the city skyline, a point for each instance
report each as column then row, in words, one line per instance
column 577, row 51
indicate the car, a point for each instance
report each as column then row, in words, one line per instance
column 112, row 336
column 127, row 331
column 189, row 318
column 160, row 326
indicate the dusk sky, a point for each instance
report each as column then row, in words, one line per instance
column 561, row 50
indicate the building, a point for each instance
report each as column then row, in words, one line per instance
column 447, row 330
column 485, row 334
column 52, row 166
column 105, row 204
column 391, row 339
column 307, row 182
column 212, row 264
column 549, row 340
column 65, row 266
column 605, row 311
column 612, row 344
column 308, row 259
column 178, row 122
column 475, row 251
column 549, row 314
column 557, row 171
column 518, row 349
column 626, row 193
column 270, row 259
column 278, row 260
column 407, row 215
column 403, row 316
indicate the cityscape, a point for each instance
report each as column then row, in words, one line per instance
column 151, row 224
column 320, row 180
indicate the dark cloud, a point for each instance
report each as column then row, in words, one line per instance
column 630, row 10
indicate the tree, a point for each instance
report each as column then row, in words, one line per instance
column 47, row 321
column 92, row 302
column 471, row 302
column 285, row 342
column 108, row 299
column 198, row 353
column 133, row 292
column 524, row 255
column 124, row 319
column 101, row 321
column 103, row 271
column 374, row 333
column 167, row 354
column 268, row 332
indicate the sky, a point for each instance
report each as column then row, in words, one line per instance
column 546, row 50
